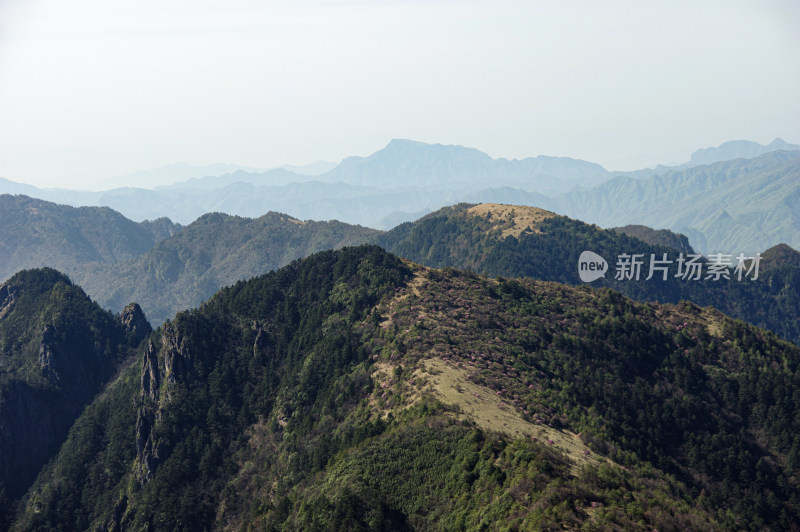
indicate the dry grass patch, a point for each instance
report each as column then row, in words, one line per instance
column 714, row 320
column 513, row 219
column 490, row 412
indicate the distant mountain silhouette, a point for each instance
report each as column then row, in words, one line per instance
column 406, row 178
column 170, row 174
column 737, row 149
column 404, row 163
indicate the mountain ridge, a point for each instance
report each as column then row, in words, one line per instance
column 217, row 250
column 549, row 250
column 737, row 149
column 214, row 251
column 420, row 164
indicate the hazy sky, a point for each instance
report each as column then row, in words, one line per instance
column 91, row 89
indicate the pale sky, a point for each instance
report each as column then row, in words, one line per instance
column 92, row 89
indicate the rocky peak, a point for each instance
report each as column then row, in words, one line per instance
column 134, row 322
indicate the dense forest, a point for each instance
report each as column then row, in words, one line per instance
column 355, row 391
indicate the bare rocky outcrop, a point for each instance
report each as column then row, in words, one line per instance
column 147, row 414
column 162, row 368
column 262, row 339
column 151, row 376
column 147, row 451
column 135, row 322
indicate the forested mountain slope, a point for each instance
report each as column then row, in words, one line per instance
column 57, row 350
column 516, row 241
column 37, row 233
column 353, row 391
column 657, row 237
column 214, row 251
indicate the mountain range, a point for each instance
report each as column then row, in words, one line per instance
column 172, row 173
column 708, row 198
column 214, row 251
column 519, row 241
column 353, row 390
column 741, row 205
column 217, row 250
column 452, row 372
column 285, row 401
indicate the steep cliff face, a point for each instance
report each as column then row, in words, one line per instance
column 7, row 293
column 57, row 351
column 160, row 368
column 147, row 414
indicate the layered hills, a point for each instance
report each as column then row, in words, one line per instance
column 355, row 391
column 736, row 197
column 453, row 373
column 181, row 271
column 400, row 180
